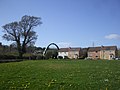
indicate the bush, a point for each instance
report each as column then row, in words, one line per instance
column 66, row 57
column 33, row 57
column 8, row 57
column 39, row 57
column 26, row 57
column 60, row 57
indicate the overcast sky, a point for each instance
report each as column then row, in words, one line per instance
column 68, row 23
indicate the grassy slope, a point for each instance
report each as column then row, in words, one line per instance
column 60, row 75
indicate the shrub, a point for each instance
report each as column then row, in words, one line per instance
column 60, row 57
column 66, row 57
column 39, row 57
column 8, row 57
column 33, row 57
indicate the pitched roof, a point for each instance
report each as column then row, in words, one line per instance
column 91, row 49
column 108, row 47
column 69, row 49
column 63, row 50
column 74, row 49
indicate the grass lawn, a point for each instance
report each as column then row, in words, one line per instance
column 60, row 75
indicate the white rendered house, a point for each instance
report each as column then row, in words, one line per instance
column 63, row 52
column 72, row 53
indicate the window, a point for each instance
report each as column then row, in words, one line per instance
column 96, row 51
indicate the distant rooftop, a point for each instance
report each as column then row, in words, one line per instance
column 102, row 48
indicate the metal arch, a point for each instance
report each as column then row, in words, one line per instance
column 48, row 48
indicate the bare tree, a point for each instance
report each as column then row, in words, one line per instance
column 22, row 32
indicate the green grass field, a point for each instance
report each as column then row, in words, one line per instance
column 60, row 75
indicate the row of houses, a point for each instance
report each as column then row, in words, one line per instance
column 102, row 52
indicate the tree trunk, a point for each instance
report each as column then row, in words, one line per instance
column 23, row 48
column 19, row 50
column 20, row 55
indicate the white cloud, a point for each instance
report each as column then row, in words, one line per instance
column 113, row 36
column 64, row 44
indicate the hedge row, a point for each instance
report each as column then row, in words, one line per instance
column 10, row 60
column 8, row 57
column 32, row 57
